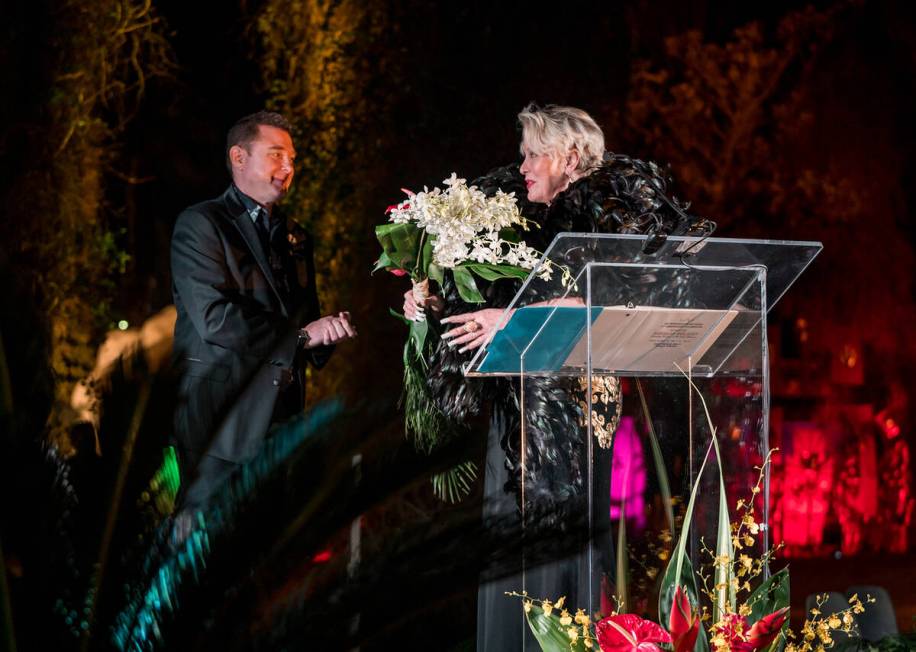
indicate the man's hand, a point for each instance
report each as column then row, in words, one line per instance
column 329, row 330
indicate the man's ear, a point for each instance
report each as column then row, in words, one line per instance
column 237, row 155
column 572, row 162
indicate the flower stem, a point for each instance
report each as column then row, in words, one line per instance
column 416, row 267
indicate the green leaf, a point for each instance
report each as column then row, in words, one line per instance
column 418, row 332
column 384, row 261
column 467, row 288
column 680, row 570
column 510, row 235
column 623, row 559
column 426, row 256
column 436, row 273
column 771, row 595
column 660, row 470
column 453, row 485
column 674, row 576
column 666, row 598
column 495, row 272
column 548, row 631
column 395, row 313
column 725, row 596
column 400, row 242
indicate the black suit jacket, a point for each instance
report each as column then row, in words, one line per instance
column 236, row 332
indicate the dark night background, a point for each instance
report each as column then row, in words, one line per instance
column 828, row 154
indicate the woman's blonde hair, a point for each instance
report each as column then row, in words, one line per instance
column 556, row 130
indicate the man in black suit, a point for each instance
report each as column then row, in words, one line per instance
column 246, row 326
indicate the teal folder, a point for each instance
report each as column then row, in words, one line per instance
column 562, row 329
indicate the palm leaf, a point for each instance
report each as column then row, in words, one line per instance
column 160, row 610
column 453, row 485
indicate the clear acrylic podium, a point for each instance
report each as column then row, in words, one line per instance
column 609, row 311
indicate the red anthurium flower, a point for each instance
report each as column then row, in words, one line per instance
column 629, row 633
column 767, row 629
column 683, row 624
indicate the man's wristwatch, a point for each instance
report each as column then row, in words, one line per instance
column 304, row 338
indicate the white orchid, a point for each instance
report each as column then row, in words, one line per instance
column 465, row 224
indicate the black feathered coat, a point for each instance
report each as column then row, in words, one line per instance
column 623, row 195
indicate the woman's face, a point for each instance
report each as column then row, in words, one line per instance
column 545, row 175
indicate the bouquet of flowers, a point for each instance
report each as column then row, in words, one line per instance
column 462, row 232
column 459, row 229
column 723, row 613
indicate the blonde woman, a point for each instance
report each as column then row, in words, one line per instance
column 566, row 182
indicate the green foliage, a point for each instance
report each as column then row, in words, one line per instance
column 419, row 330
column 490, row 272
column 68, row 242
column 399, row 245
column 772, row 594
column 453, row 485
column 550, row 634
column 467, row 287
column 680, row 569
column 687, row 581
column 623, row 560
column 424, row 422
column 726, row 597
column 658, row 460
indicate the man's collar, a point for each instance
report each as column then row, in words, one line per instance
column 250, row 204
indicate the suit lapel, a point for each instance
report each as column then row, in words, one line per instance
column 243, row 222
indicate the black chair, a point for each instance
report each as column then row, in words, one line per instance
column 879, row 619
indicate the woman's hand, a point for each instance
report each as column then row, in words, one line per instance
column 474, row 330
column 417, row 312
